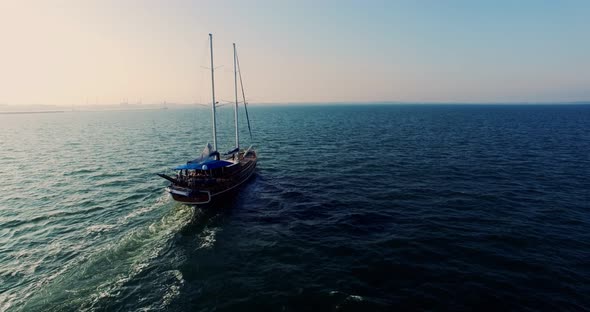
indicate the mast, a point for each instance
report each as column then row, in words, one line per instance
column 213, row 94
column 236, row 94
column 243, row 94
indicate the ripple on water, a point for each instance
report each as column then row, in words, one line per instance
column 103, row 275
column 354, row 208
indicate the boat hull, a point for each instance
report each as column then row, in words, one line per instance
column 206, row 196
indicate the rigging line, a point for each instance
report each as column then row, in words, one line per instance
column 244, row 95
column 225, row 101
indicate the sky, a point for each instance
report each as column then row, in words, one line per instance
column 82, row 52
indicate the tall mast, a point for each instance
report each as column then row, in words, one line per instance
column 236, row 93
column 243, row 94
column 213, row 94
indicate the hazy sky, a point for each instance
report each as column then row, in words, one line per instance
column 106, row 51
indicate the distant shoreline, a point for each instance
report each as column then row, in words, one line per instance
column 38, row 109
column 37, row 112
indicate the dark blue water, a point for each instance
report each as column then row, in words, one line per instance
column 353, row 208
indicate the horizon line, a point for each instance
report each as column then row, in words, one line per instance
column 186, row 105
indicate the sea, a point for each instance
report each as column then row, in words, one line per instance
column 403, row 207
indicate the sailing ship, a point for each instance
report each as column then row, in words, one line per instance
column 212, row 175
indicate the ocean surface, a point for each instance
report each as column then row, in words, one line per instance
column 353, row 208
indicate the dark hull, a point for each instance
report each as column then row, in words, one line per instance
column 225, row 186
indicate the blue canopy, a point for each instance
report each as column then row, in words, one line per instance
column 204, row 165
